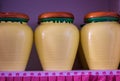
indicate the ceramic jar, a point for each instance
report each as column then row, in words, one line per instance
column 100, row 38
column 16, row 39
column 56, row 40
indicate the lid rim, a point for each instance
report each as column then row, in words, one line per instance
column 14, row 19
column 101, row 19
column 69, row 20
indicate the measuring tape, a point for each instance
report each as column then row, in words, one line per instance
column 59, row 73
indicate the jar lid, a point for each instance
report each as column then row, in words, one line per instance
column 13, row 15
column 101, row 14
column 101, row 17
column 56, row 15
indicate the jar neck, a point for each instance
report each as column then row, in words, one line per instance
column 56, row 20
column 21, row 20
column 102, row 19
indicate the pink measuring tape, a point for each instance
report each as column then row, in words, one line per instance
column 83, row 75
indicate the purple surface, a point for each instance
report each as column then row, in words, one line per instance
column 35, row 7
column 114, row 5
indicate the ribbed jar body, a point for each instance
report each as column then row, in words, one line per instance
column 101, row 43
column 56, row 44
column 16, row 39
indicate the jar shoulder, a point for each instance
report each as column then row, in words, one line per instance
column 46, row 27
column 100, row 26
column 15, row 27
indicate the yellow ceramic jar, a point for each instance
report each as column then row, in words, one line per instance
column 16, row 39
column 100, row 39
column 56, row 40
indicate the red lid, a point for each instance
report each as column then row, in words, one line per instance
column 56, row 15
column 101, row 14
column 13, row 15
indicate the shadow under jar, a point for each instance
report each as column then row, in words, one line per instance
column 56, row 40
column 16, row 39
column 100, row 38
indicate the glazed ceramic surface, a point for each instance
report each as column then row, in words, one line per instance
column 15, row 44
column 101, row 44
column 57, row 43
